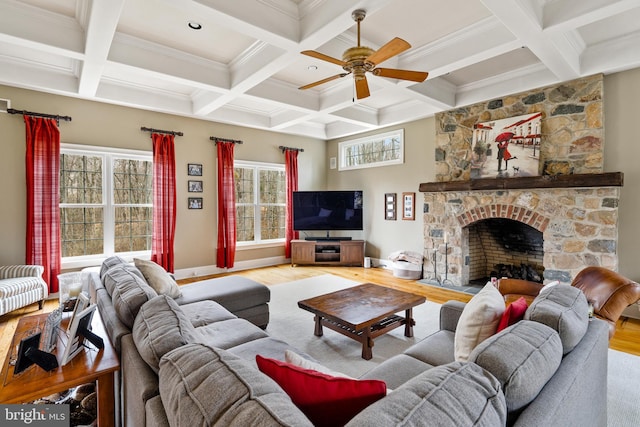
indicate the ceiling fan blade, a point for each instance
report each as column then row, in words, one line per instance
column 392, row 48
column 362, row 88
column 414, row 76
column 319, row 82
column 318, row 55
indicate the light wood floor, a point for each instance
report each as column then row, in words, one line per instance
column 627, row 337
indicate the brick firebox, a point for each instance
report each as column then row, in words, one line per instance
column 579, row 227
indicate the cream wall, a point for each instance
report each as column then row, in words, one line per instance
column 622, row 153
column 386, row 236
column 115, row 126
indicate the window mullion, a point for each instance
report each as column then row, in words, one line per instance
column 109, row 212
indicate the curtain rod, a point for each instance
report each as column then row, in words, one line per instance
column 283, row 148
column 48, row 116
column 217, row 139
column 169, row 132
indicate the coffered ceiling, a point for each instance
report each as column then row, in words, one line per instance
column 244, row 66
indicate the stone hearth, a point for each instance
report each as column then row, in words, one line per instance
column 578, row 225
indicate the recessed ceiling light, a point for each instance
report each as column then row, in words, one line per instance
column 312, row 68
column 194, row 25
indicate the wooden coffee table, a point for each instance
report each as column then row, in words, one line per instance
column 363, row 312
column 89, row 365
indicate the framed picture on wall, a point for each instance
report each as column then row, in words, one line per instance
column 408, row 206
column 194, row 169
column 390, row 206
column 195, row 186
column 195, row 203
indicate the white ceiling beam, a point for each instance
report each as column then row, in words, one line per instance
column 101, row 28
column 567, row 15
column 23, row 25
column 612, row 56
column 522, row 20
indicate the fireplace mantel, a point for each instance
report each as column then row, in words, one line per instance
column 610, row 179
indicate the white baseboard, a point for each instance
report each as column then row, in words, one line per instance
column 207, row 270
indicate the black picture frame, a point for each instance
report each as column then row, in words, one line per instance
column 194, row 169
column 23, row 362
column 194, row 186
column 194, row 203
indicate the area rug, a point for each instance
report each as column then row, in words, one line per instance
column 295, row 326
column 342, row 354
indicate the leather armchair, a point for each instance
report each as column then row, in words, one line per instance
column 609, row 292
column 512, row 289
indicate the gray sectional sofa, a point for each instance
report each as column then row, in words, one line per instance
column 195, row 364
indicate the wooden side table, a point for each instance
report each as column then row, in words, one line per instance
column 90, row 365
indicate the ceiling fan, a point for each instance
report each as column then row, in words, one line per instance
column 358, row 60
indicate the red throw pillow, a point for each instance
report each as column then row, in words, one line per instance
column 324, row 399
column 514, row 313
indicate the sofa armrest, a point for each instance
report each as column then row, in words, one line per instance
column 450, row 312
column 13, row 271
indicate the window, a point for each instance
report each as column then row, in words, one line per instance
column 372, row 151
column 260, row 202
column 106, row 201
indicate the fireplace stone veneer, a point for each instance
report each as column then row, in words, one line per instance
column 579, row 227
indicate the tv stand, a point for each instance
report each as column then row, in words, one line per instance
column 335, row 251
column 327, row 239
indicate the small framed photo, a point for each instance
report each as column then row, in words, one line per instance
column 390, row 206
column 51, row 327
column 80, row 328
column 408, row 206
column 194, row 169
column 195, row 202
column 195, row 186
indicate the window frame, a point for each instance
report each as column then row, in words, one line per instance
column 371, row 139
column 256, row 167
column 108, row 155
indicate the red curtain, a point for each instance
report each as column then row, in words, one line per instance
column 291, row 176
column 43, row 197
column 164, row 200
column 226, row 250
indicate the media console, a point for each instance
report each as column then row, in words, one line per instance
column 336, row 252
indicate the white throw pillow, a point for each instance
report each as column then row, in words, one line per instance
column 158, row 278
column 295, row 359
column 479, row 320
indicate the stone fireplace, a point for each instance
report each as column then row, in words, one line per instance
column 571, row 204
column 578, row 227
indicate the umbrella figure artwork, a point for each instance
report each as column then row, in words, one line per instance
column 503, row 151
column 506, row 148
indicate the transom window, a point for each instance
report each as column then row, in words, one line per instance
column 372, row 151
column 260, row 202
column 106, row 202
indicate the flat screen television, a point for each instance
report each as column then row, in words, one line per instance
column 327, row 210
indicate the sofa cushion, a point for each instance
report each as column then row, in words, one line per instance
column 228, row 333
column 202, row 385
column 563, row 308
column 117, row 273
column 523, row 358
column 110, row 262
column 202, row 313
column 158, row 278
column 128, row 293
column 514, row 313
column 326, row 400
column 452, row 395
column 160, row 327
column 478, row 321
